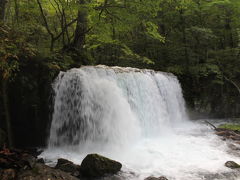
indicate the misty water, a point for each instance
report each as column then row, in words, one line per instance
column 137, row 117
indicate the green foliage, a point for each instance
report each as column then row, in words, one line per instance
column 176, row 69
column 13, row 47
column 117, row 53
column 152, row 31
column 230, row 127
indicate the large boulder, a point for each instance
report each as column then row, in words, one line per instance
column 94, row 165
column 232, row 165
column 68, row 166
column 43, row 172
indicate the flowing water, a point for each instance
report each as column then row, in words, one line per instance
column 137, row 117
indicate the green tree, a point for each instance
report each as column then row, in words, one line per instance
column 12, row 49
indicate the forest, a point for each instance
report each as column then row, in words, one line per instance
column 196, row 40
column 152, row 84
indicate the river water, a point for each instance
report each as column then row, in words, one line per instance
column 137, row 117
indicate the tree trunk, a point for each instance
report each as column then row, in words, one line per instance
column 46, row 25
column 6, row 112
column 81, row 28
column 233, row 83
column 229, row 34
column 16, row 7
column 184, row 37
column 2, row 9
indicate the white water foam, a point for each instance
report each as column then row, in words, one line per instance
column 136, row 117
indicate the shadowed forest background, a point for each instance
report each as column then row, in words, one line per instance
column 197, row 40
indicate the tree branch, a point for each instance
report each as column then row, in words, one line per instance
column 233, row 83
column 44, row 19
column 214, row 127
column 65, row 28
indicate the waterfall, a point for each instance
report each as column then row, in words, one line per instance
column 137, row 117
column 112, row 105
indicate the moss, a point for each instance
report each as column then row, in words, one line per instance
column 95, row 165
column 233, row 127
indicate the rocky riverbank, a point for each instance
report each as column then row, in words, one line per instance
column 229, row 132
column 24, row 165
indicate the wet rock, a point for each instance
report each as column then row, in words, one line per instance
column 35, row 152
column 235, row 138
column 233, row 147
column 228, row 134
column 8, row 174
column 223, row 133
column 232, row 165
column 68, row 166
column 43, row 172
column 21, row 165
column 41, row 160
column 5, row 163
column 154, row 178
column 28, row 160
column 162, row 178
column 16, row 159
column 94, row 165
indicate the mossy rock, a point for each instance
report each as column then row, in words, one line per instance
column 232, row 165
column 68, row 166
column 94, row 165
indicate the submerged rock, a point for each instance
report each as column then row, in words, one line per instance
column 232, row 165
column 154, row 178
column 94, row 165
column 68, row 166
column 233, row 147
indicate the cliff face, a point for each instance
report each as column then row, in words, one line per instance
column 208, row 100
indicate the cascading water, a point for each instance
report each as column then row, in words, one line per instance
column 135, row 116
